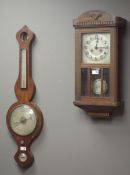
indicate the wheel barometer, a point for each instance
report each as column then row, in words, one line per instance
column 97, row 62
column 24, row 118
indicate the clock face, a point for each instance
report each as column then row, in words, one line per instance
column 96, row 48
column 23, row 120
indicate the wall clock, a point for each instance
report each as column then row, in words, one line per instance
column 24, row 118
column 97, row 37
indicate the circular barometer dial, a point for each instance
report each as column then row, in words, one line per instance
column 96, row 86
column 23, row 120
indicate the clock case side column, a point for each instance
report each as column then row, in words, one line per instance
column 77, row 65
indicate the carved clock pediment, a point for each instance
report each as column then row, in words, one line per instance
column 96, row 18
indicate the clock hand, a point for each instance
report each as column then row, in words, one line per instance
column 102, row 47
column 97, row 40
column 96, row 46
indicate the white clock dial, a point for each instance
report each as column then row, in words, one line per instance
column 96, row 86
column 23, row 120
column 96, row 48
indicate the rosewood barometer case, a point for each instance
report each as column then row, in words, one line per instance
column 24, row 118
column 97, row 79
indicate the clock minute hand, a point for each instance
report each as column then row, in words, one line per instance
column 101, row 47
column 97, row 40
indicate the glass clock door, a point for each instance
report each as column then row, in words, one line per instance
column 95, row 82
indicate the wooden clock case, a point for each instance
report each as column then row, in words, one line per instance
column 91, row 22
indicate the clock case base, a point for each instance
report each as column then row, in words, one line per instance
column 100, row 112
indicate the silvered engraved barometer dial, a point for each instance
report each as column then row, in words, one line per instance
column 24, row 118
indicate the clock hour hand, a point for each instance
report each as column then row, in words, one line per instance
column 97, row 40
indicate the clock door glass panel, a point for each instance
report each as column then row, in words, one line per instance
column 95, row 48
column 106, row 79
column 84, row 82
column 95, row 82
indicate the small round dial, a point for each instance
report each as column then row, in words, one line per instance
column 96, row 48
column 22, row 157
column 96, row 86
column 23, row 120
